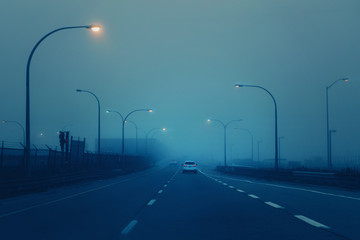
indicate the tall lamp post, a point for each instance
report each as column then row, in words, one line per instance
column 148, row 134
column 280, row 148
column 121, row 116
column 276, row 128
column 258, row 150
column 136, row 135
column 19, row 124
column 124, row 119
column 94, row 28
column 225, row 125
column 252, row 141
column 327, row 121
column 97, row 99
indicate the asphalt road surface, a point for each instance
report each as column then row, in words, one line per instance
column 163, row 203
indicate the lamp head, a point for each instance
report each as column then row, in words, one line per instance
column 209, row 120
column 95, row 28
column 3, row 121
column 107, row 111
column 79, row 90
column 150, row 110
column 164, row 129
column 238, row 85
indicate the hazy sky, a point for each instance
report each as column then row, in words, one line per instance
column 182, row 58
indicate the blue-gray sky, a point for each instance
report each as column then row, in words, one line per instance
column 182, row 58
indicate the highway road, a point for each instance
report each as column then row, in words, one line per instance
column 163, row 203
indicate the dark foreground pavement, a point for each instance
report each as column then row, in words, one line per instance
column 163, row 203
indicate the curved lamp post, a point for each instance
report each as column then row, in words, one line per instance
column 276, row 128
column 97, row 99
column 252, row 141
column 94, row 28
column 19, row 124
column 136, row 134
column 225, row 127
column 124, row 120
column 327, row 122
column 148, row 134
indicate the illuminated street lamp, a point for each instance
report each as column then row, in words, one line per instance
column 19, row 124
column 124, row 119
column 98, row 102
column 327, row 121
column 94, row 28
column 148, row 134
column 225, row 127
column 276, row 128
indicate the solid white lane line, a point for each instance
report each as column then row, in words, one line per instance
column 61, row 199
column 151, row 202
column 311, row 222
column 239, row 190
column 225, row 184
column 160, row 191
column 128, row 228
column 253, row 196
column 313, row 191
column 231, row 187
column 273, row 205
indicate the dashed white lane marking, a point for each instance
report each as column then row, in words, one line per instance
column 151, row 202
column 273, row 205
column 231, row 187
column 239, row 190
column 63, row 198
column 253, row 196
column 165, row 185
column 311, row 222
column 219, row 181
column 128, row 228
column 225, row 184
column 160, row 191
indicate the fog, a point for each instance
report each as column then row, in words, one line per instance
column 182, row 59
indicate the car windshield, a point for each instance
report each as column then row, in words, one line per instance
column 107, row 104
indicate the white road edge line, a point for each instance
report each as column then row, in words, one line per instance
column 311, row 222
column 253, row 196
column 151, row 202
column 160, row 191
column 128, row 228
column 273, row 205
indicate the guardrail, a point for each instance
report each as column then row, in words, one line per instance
column 338, row 179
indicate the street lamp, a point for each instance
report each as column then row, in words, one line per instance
column 258, row 150
column 225, row 127
column 97, row 99
column 94, row 28
column 148, row 134
column 136, row 134
column 19, row 124
column 124, row 119
column 280, row 148
column 276, row 130
column 327, row 121
column 252, row 141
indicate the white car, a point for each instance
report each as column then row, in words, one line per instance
column 189, row 166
